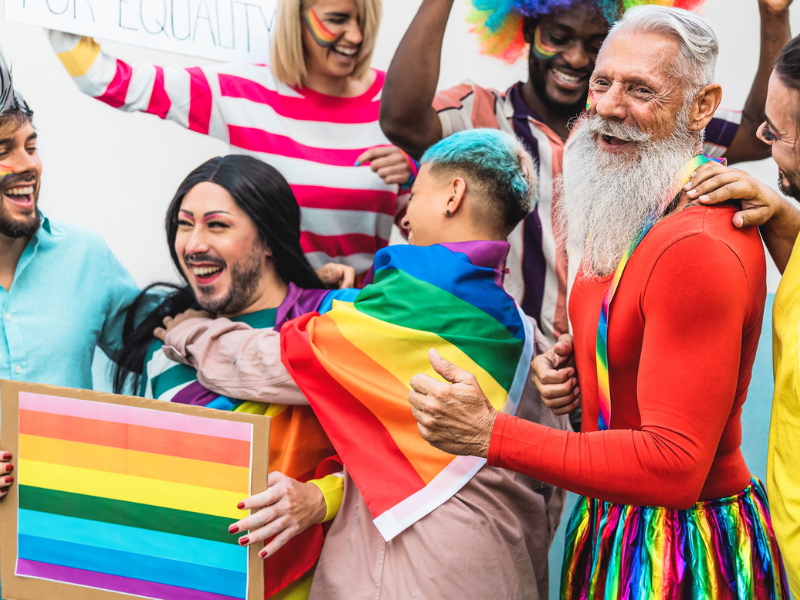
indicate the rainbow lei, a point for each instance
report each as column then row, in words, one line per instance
column 603, row 386
column 321, row 34
column 499, row 23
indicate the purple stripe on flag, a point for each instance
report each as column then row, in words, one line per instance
column 194, row 394
column 298, row 302
column 484, row 254
column 114, row 583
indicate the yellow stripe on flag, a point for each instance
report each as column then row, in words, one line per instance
column 132, row 462
column 80, row 59
column 128, row 488
column 404, row 352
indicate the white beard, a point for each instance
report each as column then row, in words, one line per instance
column 606, row 198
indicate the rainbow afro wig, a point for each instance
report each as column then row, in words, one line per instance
column 498, row 23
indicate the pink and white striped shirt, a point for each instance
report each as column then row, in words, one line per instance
column 312, row 139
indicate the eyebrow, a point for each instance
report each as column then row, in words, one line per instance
column 337, row 14
column 32, row 136
column 217, row 212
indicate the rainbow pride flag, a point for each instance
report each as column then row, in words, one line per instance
column 354, row 364
column 131, row 500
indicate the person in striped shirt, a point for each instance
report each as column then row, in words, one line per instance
column 233, row 230
column 313, row 114
column 564, row 37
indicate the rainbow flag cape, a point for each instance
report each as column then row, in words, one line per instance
column 131, row 500
column 354, row 364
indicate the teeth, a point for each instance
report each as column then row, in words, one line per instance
column 20, row 191
column 346, row 51
column 565, row 77
column 202, row 272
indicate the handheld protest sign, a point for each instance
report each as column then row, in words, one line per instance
column 121, row 497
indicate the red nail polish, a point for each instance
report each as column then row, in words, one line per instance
column 9, row 480
column 7, row 456
column 233, row 529
column 240, row 506
column 263, row 554
column 244, row 541
column 9, row 468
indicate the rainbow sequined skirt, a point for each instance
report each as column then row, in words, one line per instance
column 721, row 549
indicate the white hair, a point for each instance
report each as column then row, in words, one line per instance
column 698, row 42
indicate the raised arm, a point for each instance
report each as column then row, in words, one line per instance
column 234, row 360
column 775, row 33
column 185, row 96
column 407, row 115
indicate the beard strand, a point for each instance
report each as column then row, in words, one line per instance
column 607, row 198
column 245, row 277
column 25, row 227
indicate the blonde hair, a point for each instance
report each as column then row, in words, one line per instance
column 287, row 55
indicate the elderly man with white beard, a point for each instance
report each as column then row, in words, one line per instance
column 666, row 312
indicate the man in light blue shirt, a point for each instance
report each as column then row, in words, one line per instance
column 62, row 291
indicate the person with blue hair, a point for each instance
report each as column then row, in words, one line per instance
column 490, row 539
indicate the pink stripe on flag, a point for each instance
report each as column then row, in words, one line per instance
column 315, row 196
column 114, row 583
column 129, row 415
column 327, row 110
column 117, row 90
column 341, row 245
column 258, row 140
column 159, row 100
column 201, row 101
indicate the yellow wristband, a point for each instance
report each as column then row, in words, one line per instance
column 332, row 488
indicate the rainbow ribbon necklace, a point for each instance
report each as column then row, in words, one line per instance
column 603, row 387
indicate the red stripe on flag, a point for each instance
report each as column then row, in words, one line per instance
column 341, row 245
column 327, row 110
column 258, row 140
column 117, row 90
column 201, row 101
column 159, row 100
column 314, row 196
column 358, row 436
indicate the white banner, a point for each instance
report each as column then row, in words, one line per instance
column 224, row 30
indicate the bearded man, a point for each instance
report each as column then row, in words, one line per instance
column 666, row 311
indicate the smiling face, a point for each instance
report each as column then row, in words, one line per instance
column 780, row 131
column 332, row 37
column 20, row 176
column 564, row 47
column 633, row 86
column 220, row 251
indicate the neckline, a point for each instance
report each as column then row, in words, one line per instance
column 367, row 96
column 261, row 319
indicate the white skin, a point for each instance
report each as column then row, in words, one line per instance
column 440, row 211
column 330, row 71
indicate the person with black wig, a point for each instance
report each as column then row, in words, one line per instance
column 233, row 230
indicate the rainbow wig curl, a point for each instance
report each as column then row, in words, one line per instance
column 498, row 23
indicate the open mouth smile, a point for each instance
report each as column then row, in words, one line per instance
column 346, row 53
column 21, row 195
column 206, row 274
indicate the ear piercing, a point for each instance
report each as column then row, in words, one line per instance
column 447, row 212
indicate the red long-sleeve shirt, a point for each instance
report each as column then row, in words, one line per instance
column 682, row 339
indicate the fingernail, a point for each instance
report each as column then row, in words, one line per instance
column 9, row 480
column 244, row 541
column 691, row 193
column 703, row 198
column 9, row 467
column 357, row 164
column 233, row 529
column 688, row 186
column 7, row 456
column 240, row 506
column 263, row 554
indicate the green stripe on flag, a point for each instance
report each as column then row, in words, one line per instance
column 130, row 514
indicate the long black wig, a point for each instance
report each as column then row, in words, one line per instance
column 265, row 196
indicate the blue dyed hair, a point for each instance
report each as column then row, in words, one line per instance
column 496, row 162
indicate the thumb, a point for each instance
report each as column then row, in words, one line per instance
column 745, row 218
column 448, row 370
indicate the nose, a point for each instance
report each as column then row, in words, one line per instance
column 353, row 34
column 577, row 57
column 611, row 103
column 23, row 163
column 197, row 242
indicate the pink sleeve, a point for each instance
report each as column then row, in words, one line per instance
column 235, row 360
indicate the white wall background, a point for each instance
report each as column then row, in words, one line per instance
column 115, row 172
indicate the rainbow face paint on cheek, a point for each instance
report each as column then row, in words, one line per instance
column 541, row 49
column 321, row 34
column 5, row 171
column 590, row 101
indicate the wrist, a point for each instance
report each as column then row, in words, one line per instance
column 486, row 438
column 771, row 13
column 318, row 502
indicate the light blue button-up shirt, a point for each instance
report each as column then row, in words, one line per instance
column 69, row 295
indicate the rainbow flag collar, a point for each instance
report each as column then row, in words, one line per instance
column 601, row 353
column 354, row 364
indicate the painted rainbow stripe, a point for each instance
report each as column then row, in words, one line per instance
column 131, row 500
column 603, row 386
column 541, row 50
column 590, row 101
column 722, row 548
column 321, row 34
column 355, row 362
column 5, row 171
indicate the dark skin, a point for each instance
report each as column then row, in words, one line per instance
column 409, row 120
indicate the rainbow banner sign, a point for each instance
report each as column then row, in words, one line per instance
column 355, row 363
column 120, row 497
